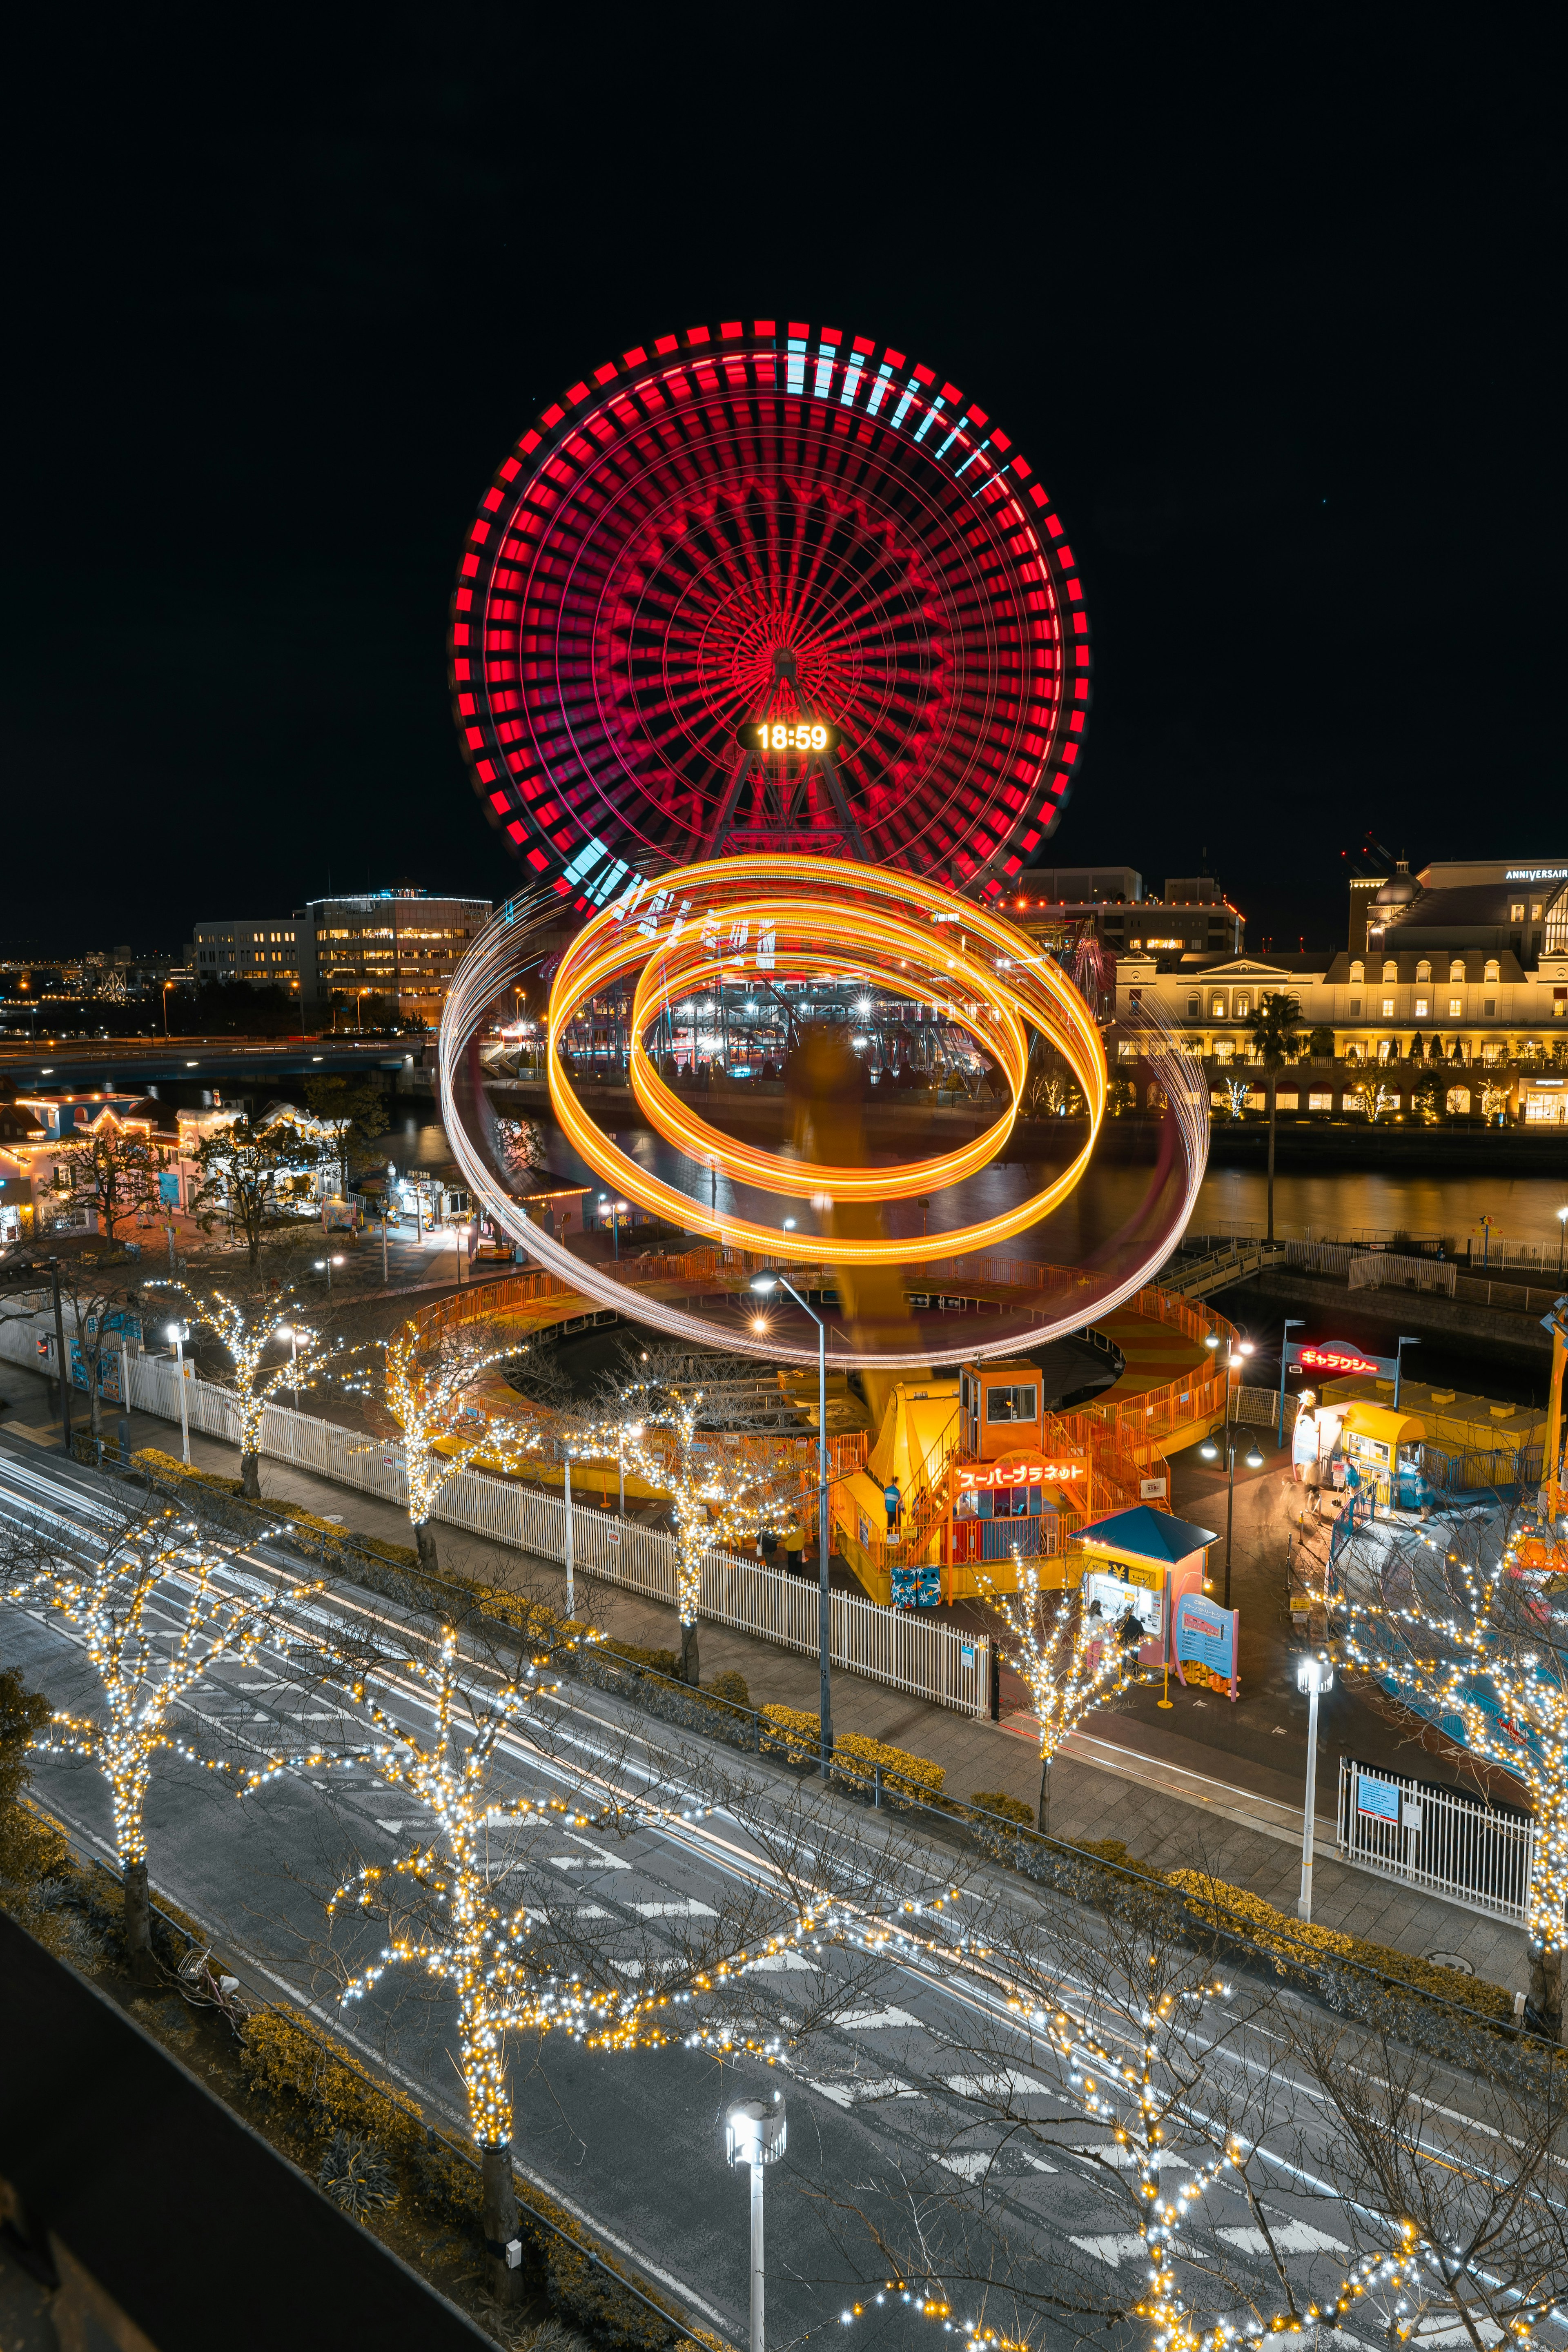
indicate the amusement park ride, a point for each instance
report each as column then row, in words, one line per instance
column 769, row 656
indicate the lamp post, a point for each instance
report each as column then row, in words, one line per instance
column 763, row 1284
column 1313, row 1676
column 177, row 1333
column 62, row 1360
column 756, row 2133
column 569, row 1550
column 1292, row 1323
column 1405, row 1340
column 1210, row 1453
column 325, row 1264
column 1562, row 1237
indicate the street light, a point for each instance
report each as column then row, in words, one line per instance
column 325, row 1264
column 763, row 1284
column 1405, row 1340
column 1562, row 1237
column 756, row 2133
column 1210, row 1453
column 176, row 1332
column 1313, row 1676
column 1292, row 1323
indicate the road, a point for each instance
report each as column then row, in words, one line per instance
column 923, row 2107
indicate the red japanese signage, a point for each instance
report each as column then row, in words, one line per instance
column 972, row 1479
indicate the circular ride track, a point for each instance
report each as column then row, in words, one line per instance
column 768, row 589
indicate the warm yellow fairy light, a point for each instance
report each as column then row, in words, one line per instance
column 1068, row 1659
column 425, row 1392
column 145, row 1670
column 247, row 1331
column 717, row 1497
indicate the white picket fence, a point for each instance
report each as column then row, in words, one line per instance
column 924, row 1656
column 1432, row 1838
column 1380, row 1268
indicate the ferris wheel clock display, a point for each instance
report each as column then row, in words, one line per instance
column 769, row 589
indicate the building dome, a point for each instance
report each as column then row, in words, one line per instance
column 1400, row 890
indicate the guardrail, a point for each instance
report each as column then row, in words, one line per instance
column 928, row 1658
column 1448, row 1844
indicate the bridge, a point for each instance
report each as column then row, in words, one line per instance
column 81, row 1064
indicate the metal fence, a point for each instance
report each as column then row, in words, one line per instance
column 1451, row 1845
column 929, row 1658
column 1383, row 1269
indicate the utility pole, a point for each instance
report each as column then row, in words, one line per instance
column 61, row 1359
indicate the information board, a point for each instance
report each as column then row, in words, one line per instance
column 1206, row 1637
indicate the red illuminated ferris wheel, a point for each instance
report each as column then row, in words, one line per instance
column 769, row 587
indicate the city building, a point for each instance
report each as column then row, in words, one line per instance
column 1464, row 969
column 37, row 1192
column 401, row 945
column 1191, row 916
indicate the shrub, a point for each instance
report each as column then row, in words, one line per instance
column 1302, row 1941
column 356, row 2176
column 856, row 1760
column 282, row 2060
column 731, row 1688
column 1009, row 1809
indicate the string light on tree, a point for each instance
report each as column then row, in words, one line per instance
column 1070, row 1660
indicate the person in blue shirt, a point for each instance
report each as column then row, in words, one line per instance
column 892, row 1496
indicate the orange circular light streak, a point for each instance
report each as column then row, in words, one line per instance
column 707, row 922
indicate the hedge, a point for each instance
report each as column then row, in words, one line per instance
column 282, row 2060
column 1009, row 1809
column 797, row 1735
column 1233, row 1908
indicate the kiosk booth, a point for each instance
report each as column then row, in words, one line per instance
column 1144, row 1563
column 1385, row 1446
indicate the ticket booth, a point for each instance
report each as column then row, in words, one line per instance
column 1141, row 1562
column 1385, row 1446
column 1000, row 1409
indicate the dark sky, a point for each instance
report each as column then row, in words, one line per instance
column 1275, row 322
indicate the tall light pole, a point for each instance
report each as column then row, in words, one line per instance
column 325, row 1264
column 1210, row 1453
column 177, row 1333
column 756, row 2133
column 63, row 1359
column 1292, row 1323
column 763, row 1285
column 1562, row 1237
column 1405, row 1340
column 1313, row 1676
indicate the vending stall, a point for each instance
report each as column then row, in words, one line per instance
column 1142, row 1562
column 1385, row 1443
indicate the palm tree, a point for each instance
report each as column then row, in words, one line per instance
column 1275, row 1040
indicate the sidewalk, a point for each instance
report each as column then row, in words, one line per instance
column 1164, row 1795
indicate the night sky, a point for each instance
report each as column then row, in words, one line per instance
column 1277, row 325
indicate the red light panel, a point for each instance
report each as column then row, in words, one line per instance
column 627, row 645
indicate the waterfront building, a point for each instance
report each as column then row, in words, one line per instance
column 1464, row 971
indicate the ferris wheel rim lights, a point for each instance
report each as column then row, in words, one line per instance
column 820, row 898
column 755, row 509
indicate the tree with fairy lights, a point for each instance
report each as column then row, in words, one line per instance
column 155, row 1611
column 247, row 1330
column 1107, row 2043
column 421, row 1391
column 1473, row 1625
column 475, row 1906
column 1071, row 1655
column 661, row 1423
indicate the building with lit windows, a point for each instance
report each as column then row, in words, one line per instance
column 400, row 946
column 1463, row 974
column 1192, row 917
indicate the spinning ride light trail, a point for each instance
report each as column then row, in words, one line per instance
column 511, row 944
column 794, row 914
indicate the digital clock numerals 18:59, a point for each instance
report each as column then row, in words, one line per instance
column 789, row 735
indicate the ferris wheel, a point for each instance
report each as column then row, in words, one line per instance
column 769, row 589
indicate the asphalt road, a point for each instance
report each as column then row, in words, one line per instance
column 923, row 2108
